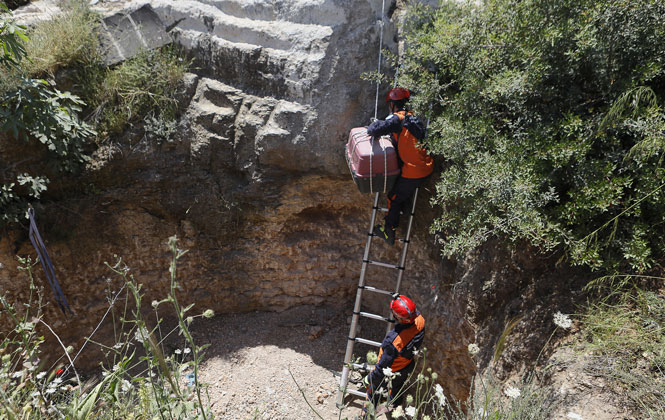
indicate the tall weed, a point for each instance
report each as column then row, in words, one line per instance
column 140, row 380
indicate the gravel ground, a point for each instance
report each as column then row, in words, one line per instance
column 250, row 356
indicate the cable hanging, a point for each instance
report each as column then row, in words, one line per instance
column 378, row 72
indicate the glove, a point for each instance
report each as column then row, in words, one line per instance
column 365, row 382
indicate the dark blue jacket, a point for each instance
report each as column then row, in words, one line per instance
column 397, row 349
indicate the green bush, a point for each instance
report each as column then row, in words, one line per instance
column 142, row 87
column 33, row 111
column 549, row 116
column 67, row 41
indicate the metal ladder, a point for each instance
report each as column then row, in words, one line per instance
column 352, row 339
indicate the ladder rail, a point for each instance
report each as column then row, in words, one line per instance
column 356, row 307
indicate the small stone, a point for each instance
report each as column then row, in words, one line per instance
column 315, row 332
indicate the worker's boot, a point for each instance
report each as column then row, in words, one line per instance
column 387, row 234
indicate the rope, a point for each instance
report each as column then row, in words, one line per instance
column 385, row 167
column 378, row 82
column 371, row 154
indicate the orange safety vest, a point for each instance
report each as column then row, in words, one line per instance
column 417, row 162
column 402, row 340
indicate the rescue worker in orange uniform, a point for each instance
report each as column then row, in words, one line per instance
column 397, row 351
column 406, row 132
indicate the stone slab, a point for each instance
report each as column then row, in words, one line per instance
column 125, row 35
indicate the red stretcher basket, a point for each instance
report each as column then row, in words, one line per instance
column 372, row 161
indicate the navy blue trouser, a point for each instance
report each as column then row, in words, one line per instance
column 396, row 396
column 398, row 196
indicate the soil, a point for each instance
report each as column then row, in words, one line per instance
column 252, row 356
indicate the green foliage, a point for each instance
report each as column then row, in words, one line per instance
column 32, row 110
column 141, row 88
column 627, row 338
column 38, row 110
column 157, row 385
column 67, row 41
column 11, row 47
column 550, row 118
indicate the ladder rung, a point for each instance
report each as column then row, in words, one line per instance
column 370, row 342
column 374, row 316
column 374, row 289
column 358, row 366
column 356, row 393
column 382, row 264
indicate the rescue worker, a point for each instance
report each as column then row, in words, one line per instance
column 406, row 131
column 397, row 351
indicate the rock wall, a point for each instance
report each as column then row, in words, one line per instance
column 254, row 183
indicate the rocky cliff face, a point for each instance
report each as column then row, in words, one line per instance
column 254, row 182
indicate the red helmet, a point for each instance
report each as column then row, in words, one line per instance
column 397, row 94
column 403, row 309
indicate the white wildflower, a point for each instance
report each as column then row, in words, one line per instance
column 411, row 411
column 409, row 399
column 34, row 394
column 208, row 313
column 126, row 385
column 398, row 412
column 473, row 349
column 178, row 351
column 50, row 390
column 438, row 393
column 141, row 335
column 105, row 374
column 117, row 346
column 574, row 416
column 388, row 372
column 41, row 375
column 155, row 304
column 187, row 350
column 116, row 367
column 57, row 381
column 17, row 375
column 562, row 320
column 512, row 392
